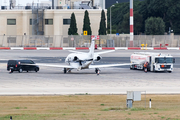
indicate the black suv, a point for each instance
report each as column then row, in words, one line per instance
column 21, row 65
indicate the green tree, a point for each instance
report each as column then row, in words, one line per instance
column 86, row 25
column 168, row 10
column 118, row 12
column 121, row 9
column 124, row 26
column 102, row 27
column 73, row 26
column 154, row 26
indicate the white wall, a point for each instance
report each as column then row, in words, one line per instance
column 23, row 16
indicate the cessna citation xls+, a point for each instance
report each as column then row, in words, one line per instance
column 82, row 60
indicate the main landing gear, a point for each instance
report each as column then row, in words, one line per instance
column 65, row 70
column 97, row 70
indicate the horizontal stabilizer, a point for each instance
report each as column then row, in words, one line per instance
column 75, row 51
column 99, row 53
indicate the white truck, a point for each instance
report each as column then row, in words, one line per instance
column 156, row 61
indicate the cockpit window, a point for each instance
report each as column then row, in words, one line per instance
column 164, row 60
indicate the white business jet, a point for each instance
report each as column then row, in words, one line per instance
column 82, row 60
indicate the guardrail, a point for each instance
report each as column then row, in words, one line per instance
column 84, row 41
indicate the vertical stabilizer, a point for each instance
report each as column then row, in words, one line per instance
column 91, row 49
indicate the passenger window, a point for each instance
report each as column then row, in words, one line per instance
column 22, row 61
column 31, row 62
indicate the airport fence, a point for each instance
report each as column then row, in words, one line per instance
column 84, row 41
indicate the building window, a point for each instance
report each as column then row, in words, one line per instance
column 66, row 21
column 30, row 21
column 48, row 21
column 11, row 21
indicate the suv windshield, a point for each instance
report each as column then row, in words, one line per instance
column 164, row 60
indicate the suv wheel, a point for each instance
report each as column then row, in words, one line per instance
column 36, row 69
column 20, row 70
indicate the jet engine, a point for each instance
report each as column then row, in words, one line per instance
column 97, row 58
column 75, row 58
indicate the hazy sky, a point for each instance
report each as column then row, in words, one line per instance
column 21, row 2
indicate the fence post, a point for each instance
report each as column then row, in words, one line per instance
column 149, row 103
column 41, row 41
column 48, row 41
column 9, row 41
column 29, row 42
column 3, row 41
column 22, row 39
column 16, row 40
column 127, row 42
column 62, row 41
column 54, row 41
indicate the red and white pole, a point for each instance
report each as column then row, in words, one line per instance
column 131, row 24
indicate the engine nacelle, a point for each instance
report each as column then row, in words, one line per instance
column 97, row 58
column 75, row 58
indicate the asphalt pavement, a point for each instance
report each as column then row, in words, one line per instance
column 114, row 80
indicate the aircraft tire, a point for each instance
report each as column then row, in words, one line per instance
column 96, row 70
column 65, row 71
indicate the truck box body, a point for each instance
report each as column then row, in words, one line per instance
column 156, row 61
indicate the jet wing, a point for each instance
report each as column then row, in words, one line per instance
column 108, row 65
column 52, row 65
column 76, row 51
column 99, row 53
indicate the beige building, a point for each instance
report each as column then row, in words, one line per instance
column 55, row 21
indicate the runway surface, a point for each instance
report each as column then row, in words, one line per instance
column 114, row 80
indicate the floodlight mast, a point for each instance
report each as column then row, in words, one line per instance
column 110, row 20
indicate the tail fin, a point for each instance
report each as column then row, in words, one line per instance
column 91, row 49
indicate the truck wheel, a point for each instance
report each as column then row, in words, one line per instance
column 169, row 71
column 20, row 70
column 131, row 67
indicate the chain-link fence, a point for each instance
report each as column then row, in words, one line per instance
column 84, row 41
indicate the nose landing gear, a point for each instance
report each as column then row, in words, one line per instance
column 65, row 70
column 97, row 70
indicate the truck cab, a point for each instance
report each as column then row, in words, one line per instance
column 163, row 63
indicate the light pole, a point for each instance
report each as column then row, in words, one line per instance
column 110, row 19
